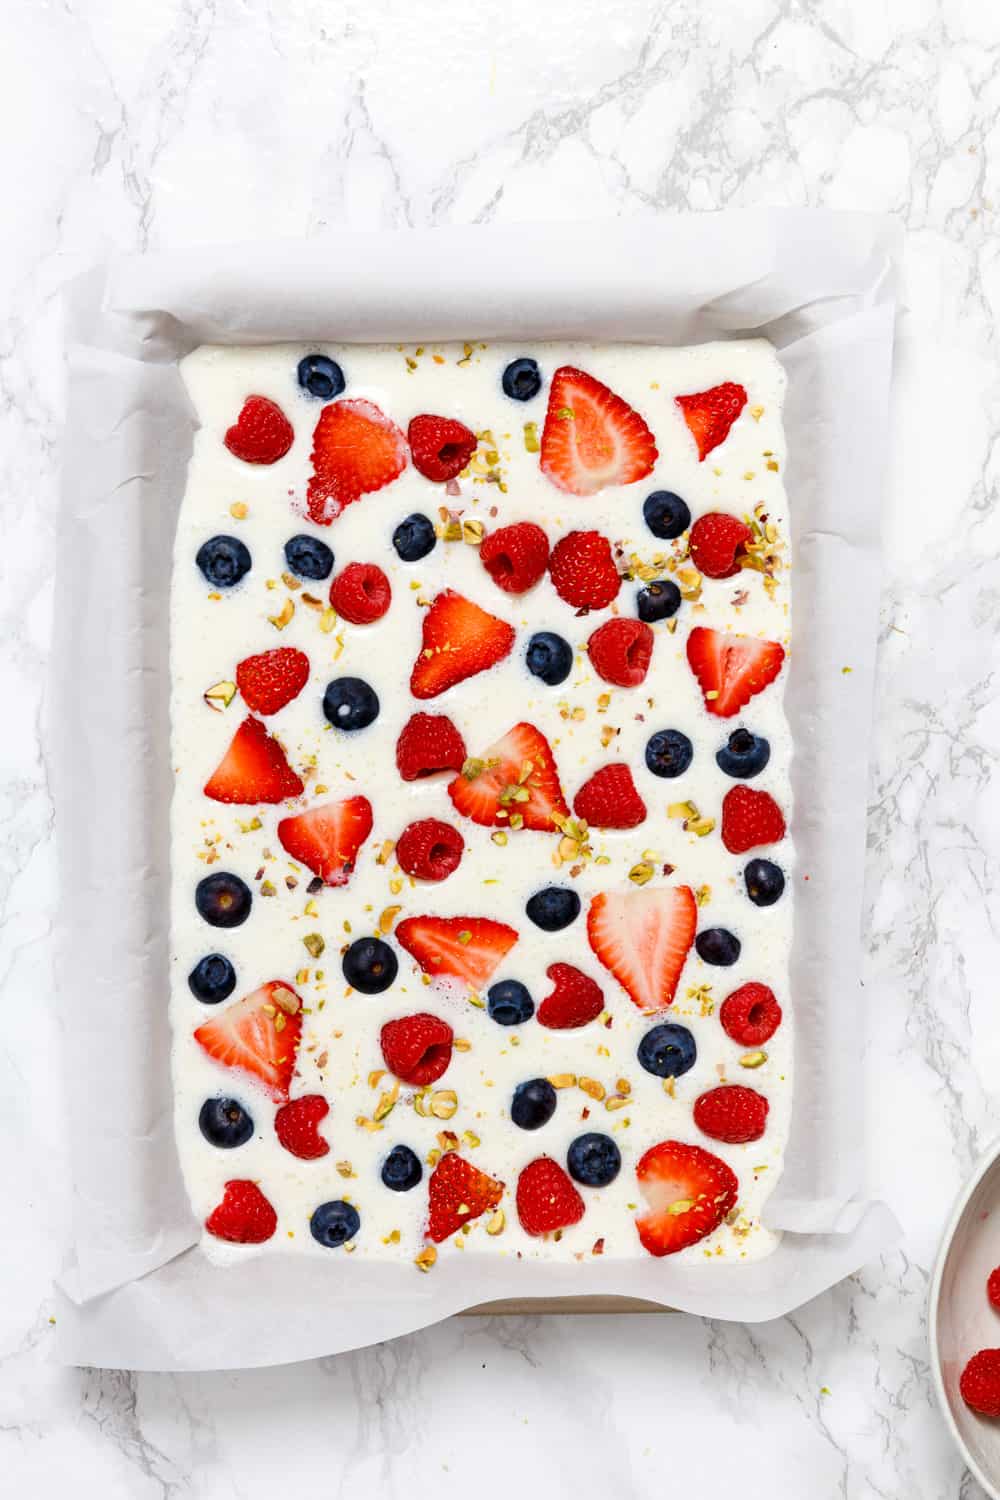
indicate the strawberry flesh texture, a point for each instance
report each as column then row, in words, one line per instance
column 417, row 1049
column 575, row 1001
column 688, row 1192
column 456, row 1193
column 716, row 543
column 620, row 651
column 428, row 743
column 750, row 1015
column 643, row 938
column 327, row 839
column 546, row 1198
column 733, row 667
column 592, row 438
column 515, row 557
column 609, row 799
column 459, row 640
column 440, row 447
column 361, row 593
column 710, row 414
column 270, row 680
column 483, row 795
column 247, row 1038
column 253, row 769
column 436, row 944
column 731, row 1113
column 583, row 572
column 244, row 1217
column 750, row 819
column 261, row 433
column 429, row 849
column 356, row 450
column 297, row 1126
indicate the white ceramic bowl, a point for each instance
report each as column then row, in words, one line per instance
column 960, row 1319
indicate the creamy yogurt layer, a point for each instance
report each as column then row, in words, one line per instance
column 322, row 1037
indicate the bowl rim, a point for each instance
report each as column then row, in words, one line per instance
column 985, row 1161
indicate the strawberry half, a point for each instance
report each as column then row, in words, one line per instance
column 620, row 651
column 259, row 1035
column 688, row 1193
column 356, row 450
column 261, row 433
column 546, row 1198
column 731, row 669
column 731, row 1113
column 583, row 572
column 592, row 438
column 456, row 1193
column 253, row 769
column 643, row 938
column 440, row 447
column 327, row 839
column 750, row 819
column 244, row 1217
column 466, row 948
column 297, row 1127
column 609, row 799
column 575, row 1000
column 515, row 777
column 459, row 640
column 272, row 679
column 417, row 1049
column 428, row 743
column 710, row 414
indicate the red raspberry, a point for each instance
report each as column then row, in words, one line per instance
column 361, row 593
column 261, row 433
column 244, row 1217
column 980, row 1382
column 731, row 1113
column 515, row 557
column 417, row 1048
column 609, row 799
column 620, row 651
column 575, row 999
column 297, row 1126
column 440, row 447
column 750, row 1015
column 430, row 849
column 582, row 569
column 993, row 1288
column 717, row 543
column 429, row 743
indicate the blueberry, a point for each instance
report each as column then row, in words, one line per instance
column 668, row 1050
column 533, row 1104
column 212, row 979
column 666, row 514
column 593, row 1159
column 224, row 900
column 658, row 601
column 743, row 755
column 669, row 753
column 223, row 560
column 522, row 379
column 414, row 538
column 335, row 1223
column 549, row 657
column 764, row 881
column 370, row 965
column 509, row 1003
column 321, row 376
column 349, row 703
column 717, row 945
column 401, row 1169
column 553, row 908
column 308, row 557
column 225, row 1123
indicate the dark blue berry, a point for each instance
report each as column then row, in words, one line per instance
column 414, row 538
column 719, row 946
column 321, row 376
column 764, row 881
column 224, row 900
column 522, row 379
column 212, row 979
column 224, row 560
column 370, row 965
column 308, row 557
column 669, row 753
column 667, row 1050
column 553, row 908
column 666, row 514
column 335, row 1223
column 593, row 1159
column 658, row 601
column 401, row 1169
column 533, row 1104
column 549, row 657
column 509, row 1003
column 350, row 703
column 225, row 1123
column 743, row 755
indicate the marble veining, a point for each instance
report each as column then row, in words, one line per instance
column 187, row 121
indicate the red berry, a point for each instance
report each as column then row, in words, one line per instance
column 731, row 669
column 643, row 938
column 297, row 1126
column 582, row 569
column 361, row 593
column 272, row 679
column 716, row 544
column 750, row 819
column 429, row 743
column 980, row 1383
column 253, row 769
column 688, row 1193
column 515, row 557
column 710, row 414
column 546, row 1198
column 261, row 433
column 993, row 1288
column 464, row 948
column 246, row 1036
column 731, row 1113
column 750, row 1015
column 356, row 450
column 440, row 447
column 458, row 640
column 456, row 1193
column 326, row 839
column 620, row 651
column 430, row 849
column 609, row 799
column 244, row 1217
column 575, row 999
column 592, row 438
column 417, row 1049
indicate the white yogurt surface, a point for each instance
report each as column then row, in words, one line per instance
column 211, row 635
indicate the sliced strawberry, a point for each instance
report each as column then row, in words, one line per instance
column 466, row 948
column 546, row 1198
column 356, row 450
column 731, row 1113
column 261, row 433
column 440, row 447
column 592, row 438
column 297, row 1126
column 688, row 1193
column 620, row 651
column 491, row 788
column 361, row 593
column 327, row 839
column 583, row 572
column 456, row 1193
column 244, row 1217
column 272, row 679
column 428, row 743
column 717, row 543
column 515, row 557
column 417, row 1049
column 609, row 799
column 253, row 769
column 710, row 414
column 575, row 999
column 731, row 669
column 459, row 640
column 750, row 819
column 259, row 1035
column 643, row 937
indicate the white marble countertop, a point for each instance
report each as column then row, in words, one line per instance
column 186, row 121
